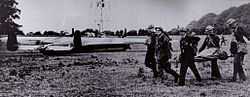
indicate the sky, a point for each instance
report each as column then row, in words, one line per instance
column 62, row 15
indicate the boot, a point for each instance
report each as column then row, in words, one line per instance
column 233, row 79
column 176, row 79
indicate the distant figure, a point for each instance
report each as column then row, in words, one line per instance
column 188, row 46
column 150, row 61
column 212, row 41
column 238, row 49
column 163, row 54
column 223, row 40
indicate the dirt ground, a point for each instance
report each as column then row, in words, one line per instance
column 109, row 74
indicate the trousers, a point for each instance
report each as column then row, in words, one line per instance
column 238, row 69
column 150, row 62
column 215, row 71
column 166, row 66
column 183, row 71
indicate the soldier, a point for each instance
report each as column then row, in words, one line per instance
column 223, row 40
column 188, row 46
column 150, row 61
column 163, row 54
column 212, row 41
column 238, row 48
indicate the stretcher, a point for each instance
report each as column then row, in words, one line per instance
column 205, row 55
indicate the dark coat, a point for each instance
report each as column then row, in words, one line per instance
column 162, row 47
column 151, row 45
column 212, row 40
column 188, row 46
column 150, row 55
column 239, row 33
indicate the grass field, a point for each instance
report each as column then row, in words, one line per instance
column 109, row 74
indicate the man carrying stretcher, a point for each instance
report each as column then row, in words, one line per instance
column 210, row 46
column 188, row 46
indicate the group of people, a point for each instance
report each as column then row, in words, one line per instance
column 159, row 52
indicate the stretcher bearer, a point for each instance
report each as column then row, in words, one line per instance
column 223, row 40
column 212, row 41
column 163, row 54
column 188, row 46
column 238, row 48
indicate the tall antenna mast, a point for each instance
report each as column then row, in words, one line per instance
column 101, row 5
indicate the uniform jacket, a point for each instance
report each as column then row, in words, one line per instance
column 162, row 46
column 238, row 34
column 188, row 46
column 212, row 40
column 151, row 43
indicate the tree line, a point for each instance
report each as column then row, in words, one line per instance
column 241, row 14
column 140, row 32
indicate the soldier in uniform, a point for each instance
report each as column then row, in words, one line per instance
column 163, row 54
column 238, row 48
column 188, row 46
column 150, row 61
column 223, row 40
column 212, row 41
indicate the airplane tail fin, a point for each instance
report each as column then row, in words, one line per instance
column 12, row 44
column 77, row 40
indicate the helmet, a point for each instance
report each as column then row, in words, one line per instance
column 230, row 21
column 209, row 28
column 159, row 29
column 182, row 29
column 193, row 33
column 150, row 27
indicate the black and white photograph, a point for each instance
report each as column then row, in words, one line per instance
column 116, row 48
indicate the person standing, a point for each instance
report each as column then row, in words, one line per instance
column 212, row 41
column 223, row 40
column 238, row 48
column 188, row 46
column 163, row 54
column 150, row 61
